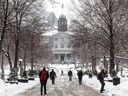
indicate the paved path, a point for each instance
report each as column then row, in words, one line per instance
column 63, row 87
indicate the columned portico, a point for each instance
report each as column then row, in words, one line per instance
column 62, row 58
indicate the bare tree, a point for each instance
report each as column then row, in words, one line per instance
column 84, row 43
column 4, row 19
column 106, row 19
column 23, row 12
column 25, row 17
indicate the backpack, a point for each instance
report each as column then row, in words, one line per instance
column 43, row 75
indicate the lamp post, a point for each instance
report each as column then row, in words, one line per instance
column 102, row 62
column 21, row 67
column 107, row 65
column 101, row 59
column 105, row 61
column 20, row 60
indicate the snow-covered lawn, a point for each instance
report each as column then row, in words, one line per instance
column 111, row 90
column 7, row 89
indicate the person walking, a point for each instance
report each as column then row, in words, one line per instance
column 90, row 74
column 100, row 77
column 80, row 75
column 43, row 75
column 70, row 74
column 62, row 73
column 53, row 76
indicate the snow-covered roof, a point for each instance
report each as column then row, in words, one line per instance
column 62, row 16
column 50, row 33
column 55, row 32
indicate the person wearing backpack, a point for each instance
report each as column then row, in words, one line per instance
column 53, row 76
column 100, row 77
column 43, row 75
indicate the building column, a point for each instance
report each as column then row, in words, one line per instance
column 66, row 58
column 59, row 58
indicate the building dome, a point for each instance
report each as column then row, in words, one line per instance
column 62, row 16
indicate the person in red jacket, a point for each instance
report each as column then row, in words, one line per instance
column 43, row 75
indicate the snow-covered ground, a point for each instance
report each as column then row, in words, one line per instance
column 7, row 89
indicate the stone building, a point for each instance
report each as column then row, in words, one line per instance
column 59, row 41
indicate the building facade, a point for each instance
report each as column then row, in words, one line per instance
column 59, row 41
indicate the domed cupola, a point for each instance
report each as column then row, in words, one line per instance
column 62, row 23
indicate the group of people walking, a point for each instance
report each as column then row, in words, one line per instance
column 44, row 75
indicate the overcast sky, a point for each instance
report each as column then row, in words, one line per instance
column 57, row 8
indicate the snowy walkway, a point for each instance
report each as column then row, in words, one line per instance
column 63, row 87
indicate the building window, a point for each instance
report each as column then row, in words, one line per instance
column 62, row 46
column 61, row 23
column 68, row 56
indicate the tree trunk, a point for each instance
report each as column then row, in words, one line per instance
column 4, row 24
column 8, row 57
column 32, row 52
column 9, row 60
column 117, row 67
column 5, row 5
column 110, row 26
column 112, row 57
column 16, row 52
column 2, row 66
column 24, row 60
column 93, row 63
column 93, row 52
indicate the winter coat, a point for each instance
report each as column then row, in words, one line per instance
column 52, row 75
column 101, row 76
column 70, row 73
column 80, row 74
column 43, row 75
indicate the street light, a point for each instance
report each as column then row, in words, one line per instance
column 101, row 59
column 107, row 59
column 21, row 67
column 107, row 66
column 20, row 60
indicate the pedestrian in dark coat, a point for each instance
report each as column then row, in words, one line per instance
column 53, row 76
column 62, row 72
column 90, row 74
column 70, row 74
column 80, row 75
column 101, row 76
column 43, row 75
